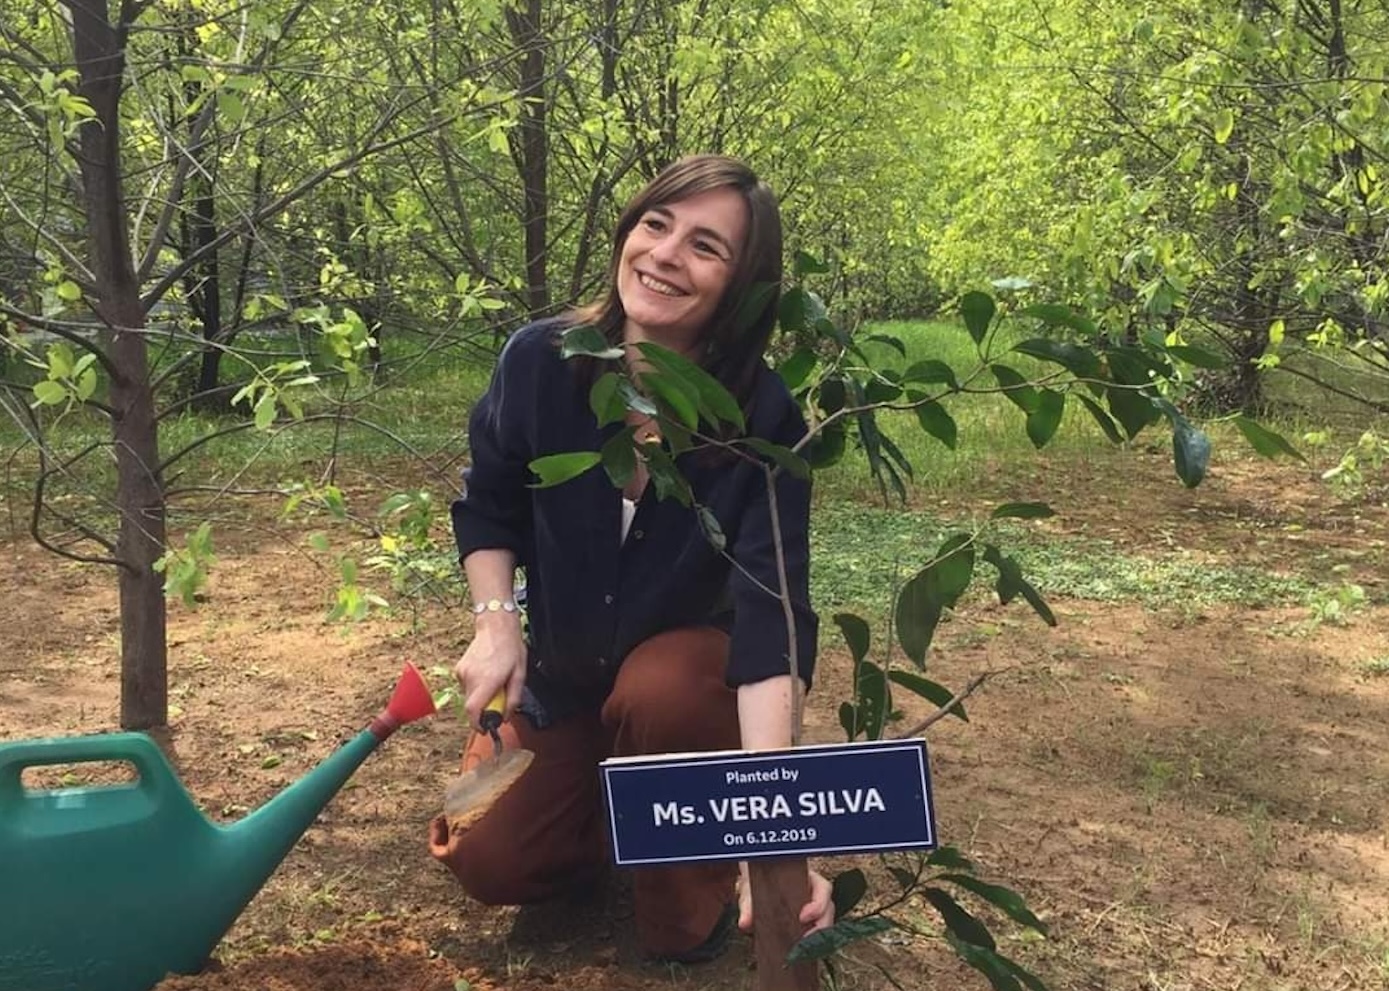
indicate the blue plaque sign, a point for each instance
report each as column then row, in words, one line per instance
column 741, row 805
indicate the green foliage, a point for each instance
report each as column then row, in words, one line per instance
column 185, row 569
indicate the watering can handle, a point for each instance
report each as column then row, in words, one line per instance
column 135, row 748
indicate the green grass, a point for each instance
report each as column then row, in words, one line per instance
column 863, row 552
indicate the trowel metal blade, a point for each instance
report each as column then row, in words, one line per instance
column 473, row 792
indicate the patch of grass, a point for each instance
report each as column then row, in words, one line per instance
column 1375, row 667
column 862, row 553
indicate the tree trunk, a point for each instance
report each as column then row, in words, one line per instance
column 534, row 157
column 99, row 48
column 779, row 890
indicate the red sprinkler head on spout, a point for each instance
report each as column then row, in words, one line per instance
column 410, row 701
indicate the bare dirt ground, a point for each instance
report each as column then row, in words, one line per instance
column 1191, row 798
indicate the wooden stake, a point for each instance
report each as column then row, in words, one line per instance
column 780, row 889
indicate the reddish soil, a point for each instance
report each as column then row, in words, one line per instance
column 1192, row 798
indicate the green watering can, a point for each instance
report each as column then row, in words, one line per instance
column 113, row 888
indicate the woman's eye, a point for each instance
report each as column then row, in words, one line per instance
column 653, row 224
column 706, row 248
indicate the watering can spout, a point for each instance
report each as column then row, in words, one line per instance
column 263, row 838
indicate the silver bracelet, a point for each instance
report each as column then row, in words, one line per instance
column 495, row 605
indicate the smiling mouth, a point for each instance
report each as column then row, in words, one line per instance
column 657, row 286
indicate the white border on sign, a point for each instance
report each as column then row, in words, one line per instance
column 615, row 765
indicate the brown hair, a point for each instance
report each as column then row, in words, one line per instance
column 738, row 331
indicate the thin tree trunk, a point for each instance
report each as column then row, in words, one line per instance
column 99, row 47
column 534, row 158
column 779, row 889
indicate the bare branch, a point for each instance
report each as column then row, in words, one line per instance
column 974, row 684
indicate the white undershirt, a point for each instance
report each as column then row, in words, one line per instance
column 629, row 510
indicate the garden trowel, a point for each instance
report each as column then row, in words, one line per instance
column 472, row 793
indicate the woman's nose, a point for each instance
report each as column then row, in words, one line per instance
column 666, row 251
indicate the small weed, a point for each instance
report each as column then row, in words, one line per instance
column 1333, row 605
column 1375, row 667
column 1260, row 828
column 1157, row 778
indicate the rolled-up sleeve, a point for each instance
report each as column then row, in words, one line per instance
column 495, row 509
column 759, row 647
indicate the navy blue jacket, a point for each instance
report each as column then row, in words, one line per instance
column 591, row 597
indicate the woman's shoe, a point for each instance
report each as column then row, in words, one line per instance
column 713, row 947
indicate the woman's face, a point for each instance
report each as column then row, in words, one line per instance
column 677, row 262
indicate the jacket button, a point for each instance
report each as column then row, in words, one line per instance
column 638, row 534
column 608, row 599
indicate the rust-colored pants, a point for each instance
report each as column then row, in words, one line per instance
column 547, row 834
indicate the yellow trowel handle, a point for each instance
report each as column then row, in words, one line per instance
column 491, row 717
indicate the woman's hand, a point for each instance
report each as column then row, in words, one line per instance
column 816, row 914
column 495, row 661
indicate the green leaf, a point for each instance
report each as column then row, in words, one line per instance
column 1191, row 453
column 797, row 368
column 1265, row 441
column 784, row 457
column 1199, row 357
column 847, row 890
column 827, row 446
column 957, row 920
column 713, row 532
column 801, row 310
column 1058, row 315
column 848, row 719
column 319, row 542
column 1019, row 391
column 1043, row 421
column 585, row 339
column 619, row 457
column 832, row 395
column 872, row 698
column 1012, row 283
column 1132, row 408
column 1011, row 584
column 666, row 477
column 932, row 691
column 987, row 962
column 950, row 858
column 856, row 634
column 805, row 264
column 1105, row 421
column 938, row 423
column 905, row 879
column 1022, row 511
column 1000, row 897
column 759, row 294
column 676, row 396
column 889, row 341
column 265, row 410
column 556, row 469
column 68, row 291
column 606, row 399
column 1223, row 125
column 824, row 942
column 924, row 598
column 1080, row 362
column 929, row 371
column 50, row 393
column 715, row 401
column 878, row 392
column 977, row 309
